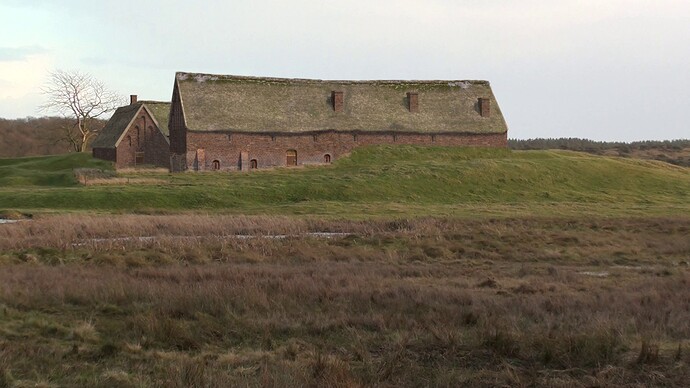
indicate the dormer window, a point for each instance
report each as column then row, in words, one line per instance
column 413, row 102
column 337, row 100
column 484, row 107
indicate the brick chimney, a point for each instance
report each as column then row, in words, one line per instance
column 337, row 99
column 484, row 107
column 132, row 99
column 413, row 101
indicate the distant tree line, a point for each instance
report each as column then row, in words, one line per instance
column 671, row 151
column 34, row 136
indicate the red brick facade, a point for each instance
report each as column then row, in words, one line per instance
column 105, row 154
column 142, row 144
column 223, row 150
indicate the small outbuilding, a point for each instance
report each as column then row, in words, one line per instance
column 136, row 135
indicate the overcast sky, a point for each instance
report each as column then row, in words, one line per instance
column 599, row 69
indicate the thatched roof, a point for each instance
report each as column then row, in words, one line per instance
column 111, row 134
column 248, row 104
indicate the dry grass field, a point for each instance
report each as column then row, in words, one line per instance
column 207, row 301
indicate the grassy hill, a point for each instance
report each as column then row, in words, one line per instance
column 385, row 180
column 48, row 171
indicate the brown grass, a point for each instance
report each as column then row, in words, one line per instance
column 203, row 238
column 430, row 302
column 121, row 181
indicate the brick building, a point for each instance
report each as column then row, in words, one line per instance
column 220, row 122
column 136, row 134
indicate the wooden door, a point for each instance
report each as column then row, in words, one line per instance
column 291, row 158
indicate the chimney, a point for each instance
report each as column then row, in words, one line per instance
column 337, row 99
column 484, row 107
column 132, row 99
column 413, row 101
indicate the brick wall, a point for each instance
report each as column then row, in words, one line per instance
column 178, row 134
column 270, row 150
column 143, row 136
column 104, row 153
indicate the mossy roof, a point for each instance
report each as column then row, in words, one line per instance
column 250, row 104
column 161, row 113
column 122, row 118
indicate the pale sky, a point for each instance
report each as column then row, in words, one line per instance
column 598, row 69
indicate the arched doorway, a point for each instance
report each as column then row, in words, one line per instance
column 291, row 158
column 253, row 164
column 327, row 158
column 216, row 165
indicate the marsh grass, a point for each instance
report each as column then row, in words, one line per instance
column 150, row 239
column 397, row 302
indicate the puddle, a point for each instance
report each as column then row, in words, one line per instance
column 602, row 274
column 4, row 221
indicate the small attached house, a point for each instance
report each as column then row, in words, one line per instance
column 136, row 135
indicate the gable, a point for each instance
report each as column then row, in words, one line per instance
column 115, row 129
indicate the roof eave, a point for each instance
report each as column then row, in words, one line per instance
column 124, row 132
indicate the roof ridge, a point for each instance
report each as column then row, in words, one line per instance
column 125, row 108
column 203, row 77
column 153, row 102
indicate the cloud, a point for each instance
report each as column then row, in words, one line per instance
column 22, row 77
column 613, row 69
column 8, row 54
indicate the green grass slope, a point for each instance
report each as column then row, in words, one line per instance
column 51, row 171
column 385, row 180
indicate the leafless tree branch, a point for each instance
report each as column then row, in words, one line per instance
column 82, row 97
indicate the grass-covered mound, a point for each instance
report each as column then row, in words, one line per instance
column 51, row 171
column 404, row 180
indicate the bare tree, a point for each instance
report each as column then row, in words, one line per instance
column 83, row 98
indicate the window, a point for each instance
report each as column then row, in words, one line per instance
column 316, row 137
column 337, row 100
column 413, row 101
column 354, row 137
column 253, row 164
column 484, row 107
column 327, row 158
column 395, row 137
column 138, row 158
column 129, row 140
column 216, row 165
column 433, row 138
column 138, row 135
column 273, row 137
column 229, row 137
column 291, row 158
